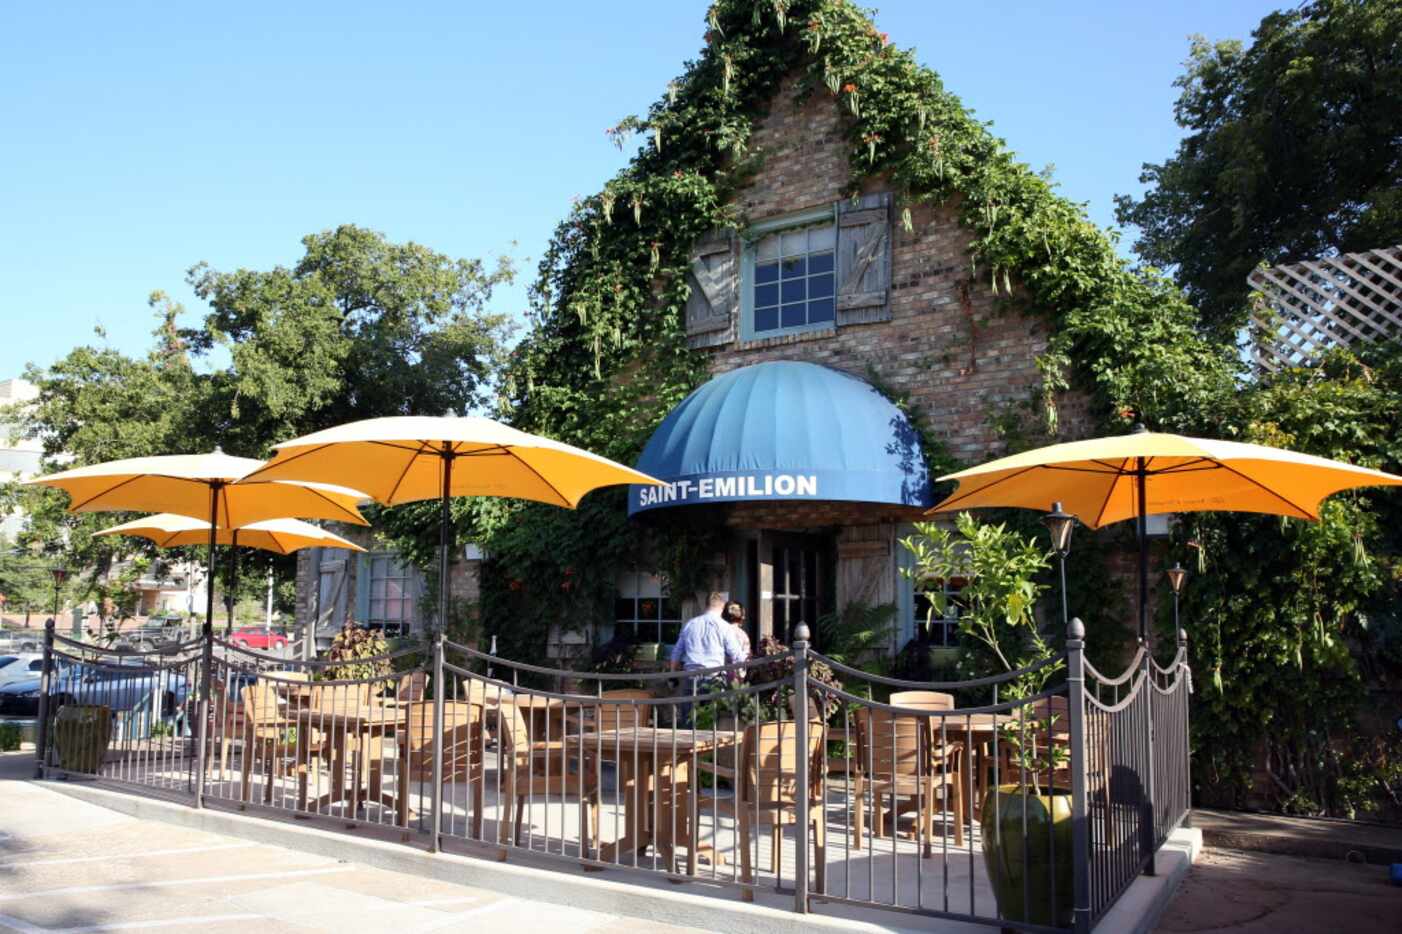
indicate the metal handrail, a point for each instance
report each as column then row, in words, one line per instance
column 320, row 663
column 1129, row 672
column 942, row 685
column 752, row 662
column 592, row 700
column 1002, row 707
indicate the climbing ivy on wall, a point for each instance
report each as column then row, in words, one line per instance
column 606, row 357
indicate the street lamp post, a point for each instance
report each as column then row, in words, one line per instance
column 60, row 574
column 1177, row 576
column 1061, row 525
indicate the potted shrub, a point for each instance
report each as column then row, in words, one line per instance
column 81, row 733
column 1027, row 828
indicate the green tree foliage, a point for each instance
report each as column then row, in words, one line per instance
column 1291, row 151
column 998, row 598
column 359, row 327
column 1287, row 619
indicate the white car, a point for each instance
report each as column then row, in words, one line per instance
column 20, row 667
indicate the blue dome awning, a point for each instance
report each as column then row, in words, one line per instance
column 783, row 431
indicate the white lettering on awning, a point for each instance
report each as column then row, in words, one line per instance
column 750, row 486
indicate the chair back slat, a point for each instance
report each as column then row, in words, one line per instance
column 769, row 758
column 923, row 700
column 890, row 744
column 621, row 716
column 462, row 738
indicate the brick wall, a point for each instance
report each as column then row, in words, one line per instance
column 956, row 350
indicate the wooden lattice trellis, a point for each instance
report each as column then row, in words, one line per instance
column 1308, row 307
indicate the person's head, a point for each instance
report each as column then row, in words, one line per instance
column 734, row 613
column 716, row 603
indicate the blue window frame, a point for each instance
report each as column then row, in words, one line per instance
column 788, row 276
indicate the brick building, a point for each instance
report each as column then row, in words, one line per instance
column 842, row 283
column 819, row 277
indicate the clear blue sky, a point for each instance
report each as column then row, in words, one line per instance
column 139, row 138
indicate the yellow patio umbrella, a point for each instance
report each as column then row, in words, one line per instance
column 280, row 536
column 403, row 459
column 1106, row 480
column 200, row 485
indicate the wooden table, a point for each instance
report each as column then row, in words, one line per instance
column 974, row 730
column 654, row 771
column 347, row 728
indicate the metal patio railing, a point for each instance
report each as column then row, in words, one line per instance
column 1027, row 800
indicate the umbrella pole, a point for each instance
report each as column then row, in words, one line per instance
column 233, row 579
column 207, row 661
column 1141, row 475
column 444, row 521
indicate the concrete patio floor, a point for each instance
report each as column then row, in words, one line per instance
column 68, row 866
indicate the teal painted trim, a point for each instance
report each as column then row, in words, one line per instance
column 747, row 269
column 784, row 221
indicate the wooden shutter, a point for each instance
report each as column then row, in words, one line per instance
column 864, row 259
column 715, row 290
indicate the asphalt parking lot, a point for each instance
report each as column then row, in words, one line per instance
column 67, row 866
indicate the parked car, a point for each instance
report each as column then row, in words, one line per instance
column 256, row 637
column 20, row 667
column 122, row 691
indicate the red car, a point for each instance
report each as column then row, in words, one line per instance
column 255, row 637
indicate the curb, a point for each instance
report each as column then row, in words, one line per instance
column 644, row 902
column 1139, row 909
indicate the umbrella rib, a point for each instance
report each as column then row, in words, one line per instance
column 423, row 446
column 356, row 518
column 1293, row 505
column 493, row 451
column 949, row 503
column 1070, row 469
column 396, row 445
column 1120, row 472
column 563, row 498
column 1186, row 468
column 276, row 463
column 74, row 507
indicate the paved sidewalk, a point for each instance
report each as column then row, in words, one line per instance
column 1262, row 893
column 70, row 866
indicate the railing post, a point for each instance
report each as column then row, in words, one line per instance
column 800, row 693
column 1080, row 822
column 438, row 701
column 1147, row 831
column 202, row 750
column 41, row 735
column 1187, row 740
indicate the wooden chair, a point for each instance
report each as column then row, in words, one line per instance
column 616, row 716
column 411, row 687
column 764, row 780
column 541, row 769
column 266, row 730
column 923, row 700
column 899, row 757
column 462, row 750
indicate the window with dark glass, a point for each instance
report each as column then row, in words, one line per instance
column 793, row 279
column 941, row 629
column 643, row 611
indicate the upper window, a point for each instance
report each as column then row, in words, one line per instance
column 791, row 284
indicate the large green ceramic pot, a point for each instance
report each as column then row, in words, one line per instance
column 81, row 734
column 1019, row 857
